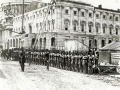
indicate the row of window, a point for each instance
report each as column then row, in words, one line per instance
column 47, row 26
column 91, row 15
column 90, row 27
column 36, row 15
column 103, row 42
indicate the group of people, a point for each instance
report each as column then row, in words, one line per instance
column 85, row 62
column 11, row 54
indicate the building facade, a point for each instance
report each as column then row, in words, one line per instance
column 93, row 26
column 8, row 10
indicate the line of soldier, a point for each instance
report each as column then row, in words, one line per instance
column 85, row 62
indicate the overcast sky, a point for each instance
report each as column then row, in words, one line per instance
column 110, row 4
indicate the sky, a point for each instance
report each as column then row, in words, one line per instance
column 110, row 4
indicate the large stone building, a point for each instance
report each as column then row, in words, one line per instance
column 8, row 10
column 67, row 20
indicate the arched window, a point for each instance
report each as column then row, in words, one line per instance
column 82, row 26
column 13, row 42
column 75, row 23
column 104, row 26
column 90, row 25
column 103, row 43
column 44, row 43
column 30, row 28
column 66, row 22
column 117, row 30
column 90, row 44
column 109, row 41
column 95, row 42
column 110, row 29
column 97, row 25
column 33, row 41
column 53, row 41
column 40, row 43
column 7, row 44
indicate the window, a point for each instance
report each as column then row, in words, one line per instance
column 44, row 43
column 103, row 29
column 110, row 17
column 97, row 15
column 116, row 31
column 90, row 28
column 97, row 29
column 103, row 43
column 75, row 12
column 74, row 26
column 52, row 41
column 30, row 29
column 33, row 41
column 109, row 41
column 66, row 11
column 49, row 12
column 90, row 43
column 110, row 30
column 90, row 14
column 83, row 14
column 95, row 43
column 82, row 27
column 40, row 43
column 104, row 17
column 116, row 18
column 66, row 25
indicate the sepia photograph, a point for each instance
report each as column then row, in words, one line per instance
column 60, row 45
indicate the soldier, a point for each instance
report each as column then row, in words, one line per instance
column 69, row 60
column 22, row 59
column 66, row 60
column 62, row 59
column 47, row 58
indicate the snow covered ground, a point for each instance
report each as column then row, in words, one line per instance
column 37, row 77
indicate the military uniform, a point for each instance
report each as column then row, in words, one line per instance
column 22, row 61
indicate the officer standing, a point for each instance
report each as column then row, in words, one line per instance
column 22, row 59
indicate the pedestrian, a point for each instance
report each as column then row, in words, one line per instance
column 22, row 59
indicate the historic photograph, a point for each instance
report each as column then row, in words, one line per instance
column 60, row 45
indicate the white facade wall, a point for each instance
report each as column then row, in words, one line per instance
column 60, row 16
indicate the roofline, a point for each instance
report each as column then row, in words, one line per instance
column 78, row 2
column 107, row 9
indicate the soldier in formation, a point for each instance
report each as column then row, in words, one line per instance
column 73, row 61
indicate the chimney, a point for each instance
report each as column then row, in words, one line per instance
column 100, row 6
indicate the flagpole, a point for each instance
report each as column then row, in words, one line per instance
column 23, row 18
